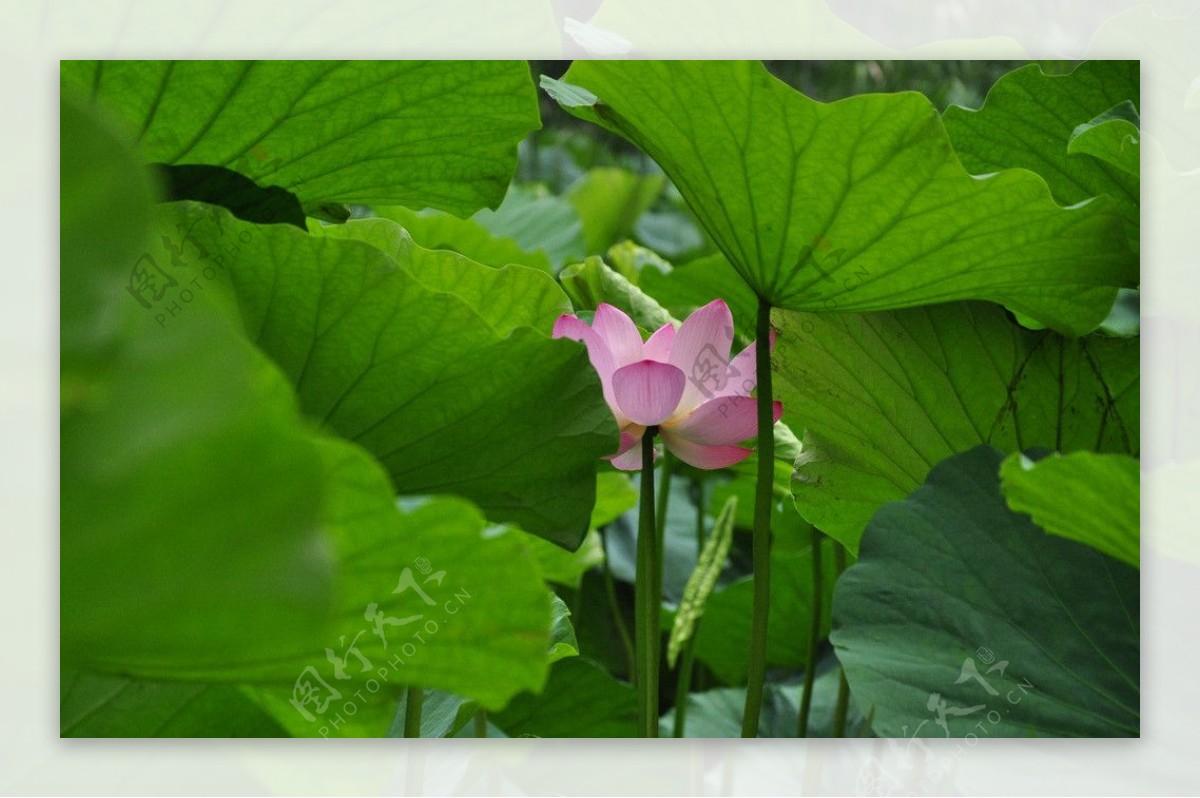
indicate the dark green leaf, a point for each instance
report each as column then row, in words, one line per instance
column 580, row 700
column 963, row 612
column 615, row 495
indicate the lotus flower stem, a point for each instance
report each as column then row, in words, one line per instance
column 660, row 517
column 646, row 599
column 814, row 633
column 680, row 385
column 412, row 711
column 761, row 550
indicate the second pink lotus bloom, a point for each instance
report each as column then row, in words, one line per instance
column 681, row 381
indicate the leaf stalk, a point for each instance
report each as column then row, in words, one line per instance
column 761, row 548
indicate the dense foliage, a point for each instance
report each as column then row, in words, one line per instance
column 327, row 471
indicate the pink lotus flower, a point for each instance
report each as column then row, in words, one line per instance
column 681, row 381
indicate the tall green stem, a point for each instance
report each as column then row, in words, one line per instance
column 814, row 633
column 414, row 698
column 757, row 672
column 647, row 602
column 843, row 695
column 666, row 462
